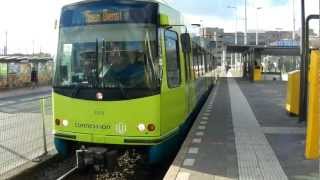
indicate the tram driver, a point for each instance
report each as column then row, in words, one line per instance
column 125, row 67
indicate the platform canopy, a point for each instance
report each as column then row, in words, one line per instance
column 265, row 50
column 24, row 59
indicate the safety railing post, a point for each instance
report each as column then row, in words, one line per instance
column 42, row 107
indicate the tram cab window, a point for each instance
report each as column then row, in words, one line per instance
column 66, row 63
column 173, row 65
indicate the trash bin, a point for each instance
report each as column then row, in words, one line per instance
column 293, row 93
column 257, row 73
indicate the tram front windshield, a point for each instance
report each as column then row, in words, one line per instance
column 107, row 56
column 108, row 47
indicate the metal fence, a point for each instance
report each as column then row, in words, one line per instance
column 25, row 132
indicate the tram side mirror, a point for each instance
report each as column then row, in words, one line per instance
column 185, row 42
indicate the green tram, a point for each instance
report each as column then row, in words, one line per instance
column 128, row 75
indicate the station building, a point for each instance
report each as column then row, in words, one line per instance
column 15, row 71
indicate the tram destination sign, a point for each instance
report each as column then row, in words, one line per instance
column 101, row 12
column 105, row 16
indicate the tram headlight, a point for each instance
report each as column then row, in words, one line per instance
column 65, row 122
column 141, row 127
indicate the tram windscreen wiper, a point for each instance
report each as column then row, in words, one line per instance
column 121, row 88
column 97, row 65
column 77, row 89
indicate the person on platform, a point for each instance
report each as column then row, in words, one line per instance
column 228, row 67
column 34, row 78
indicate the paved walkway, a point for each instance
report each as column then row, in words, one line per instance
column 231, row 73
column 21, row 127
column 243, row 132
column 256, row 159
column 24, row 91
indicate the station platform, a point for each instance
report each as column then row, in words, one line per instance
column 243, row 132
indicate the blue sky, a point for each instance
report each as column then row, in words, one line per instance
column 279, row 2
column 206, row 7
column 274, row 13
column 218, row 7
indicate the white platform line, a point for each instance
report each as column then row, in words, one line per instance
column 188, row 162
column 193, row 150
column 183, row 176
column 196, row 140
column 7, row 103
column 284, row 130
column 29, row 99
column 200, row 133
column 256, row 159
column 204, row 122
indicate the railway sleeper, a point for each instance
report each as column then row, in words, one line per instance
column 97, row 157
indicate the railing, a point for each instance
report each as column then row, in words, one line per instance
column 25, row 132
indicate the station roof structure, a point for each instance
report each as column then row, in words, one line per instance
column 24, row 59
column 265, row 50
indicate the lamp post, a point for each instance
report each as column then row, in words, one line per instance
column 279, row 33
column 245, row 23
column 293, row 59
column 33, row 44
column 6, row 44
column 303, row 66
column 235, row 32
column 294, row 21
column 257, row 29
column 236, row 18
column 202, row 27
column 201, row 32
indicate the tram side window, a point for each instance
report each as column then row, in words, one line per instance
column 195, row 62
column 173, row 65
column 199, row 63
column 187, row 62
column 203, row 60
column 208, row 63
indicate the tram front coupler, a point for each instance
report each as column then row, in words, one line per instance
column 97, row 157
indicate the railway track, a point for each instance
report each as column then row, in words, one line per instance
column 129, row 168
column 124, row 168
column 69, row 174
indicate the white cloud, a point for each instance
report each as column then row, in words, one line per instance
column 33, row 20
column 210, row 21
column 30, row 21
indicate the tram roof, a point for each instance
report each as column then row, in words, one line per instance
column 88, row 1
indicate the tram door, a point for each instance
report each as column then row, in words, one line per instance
column 188, row 82
column 173, row 89
column 186, row 49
